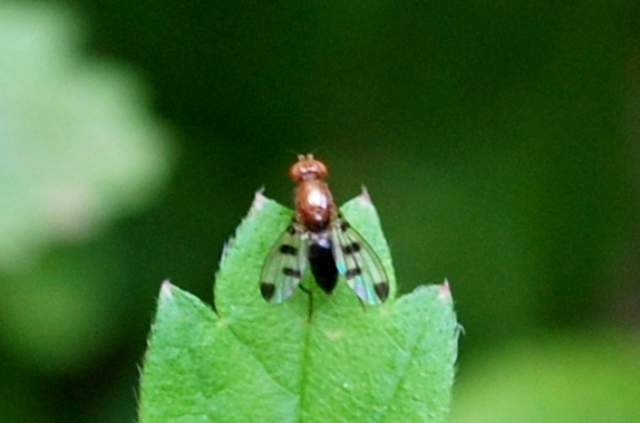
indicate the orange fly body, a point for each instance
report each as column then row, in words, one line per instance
column 313, row 200
column 320, row 238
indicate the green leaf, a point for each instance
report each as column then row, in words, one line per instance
column 250, row 361
column 585, row 376
column 79, row 149
column 79, row 146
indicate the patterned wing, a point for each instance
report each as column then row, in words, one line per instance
column 359, row 264
column 285, row 265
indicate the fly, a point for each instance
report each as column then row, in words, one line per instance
column 319, row 237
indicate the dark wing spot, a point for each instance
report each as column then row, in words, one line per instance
column 382, row 290
column 291, row 229
column 292, row 272
column 288, row 249
column 352, row 273
column 344, row 225
column 267, row 290
column 351, row 248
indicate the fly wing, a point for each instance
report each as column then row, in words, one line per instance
column 285, row 265
column 359, row 264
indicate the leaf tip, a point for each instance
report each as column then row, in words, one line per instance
column 364, row 196
column 444, row 292
column 258, row 203
column 166, row 290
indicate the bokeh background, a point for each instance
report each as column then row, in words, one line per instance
column 499, row 140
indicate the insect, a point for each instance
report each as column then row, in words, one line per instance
column 320, row 238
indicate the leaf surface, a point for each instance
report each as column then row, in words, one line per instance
column 250, row 361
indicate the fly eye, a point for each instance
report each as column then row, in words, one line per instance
column 320, row 170
column 307, row 169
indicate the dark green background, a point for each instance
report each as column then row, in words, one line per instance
column 499, row 141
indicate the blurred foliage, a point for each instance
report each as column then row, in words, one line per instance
column 568, row 379
column 77, row 151
column 77, row 148
column 499, row 142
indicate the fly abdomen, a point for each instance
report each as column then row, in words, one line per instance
column 323, row 264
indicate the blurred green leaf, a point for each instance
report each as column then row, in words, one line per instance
column 79, row 148
column 252, row 361
column 62, row 313
column 77, row 145
column 588, row 378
